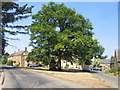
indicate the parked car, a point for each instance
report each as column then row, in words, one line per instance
column 86, row 69
column 97, row 68
column 35, row 65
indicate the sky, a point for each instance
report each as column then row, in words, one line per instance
column 102, row 15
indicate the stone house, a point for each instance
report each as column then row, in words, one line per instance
column 66, row 64
column 105, row 64
column 117, row 56
column 19, row 57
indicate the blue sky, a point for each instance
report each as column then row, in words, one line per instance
column 103, row 16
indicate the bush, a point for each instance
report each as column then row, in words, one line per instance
column 119, row 69
column 17, row 65
column 0, row 62
column 66, row 66
column 4, row 61
column 10, row 63
column 115, row 71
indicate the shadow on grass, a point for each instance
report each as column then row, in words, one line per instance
column 63, row 70
column 39, row 68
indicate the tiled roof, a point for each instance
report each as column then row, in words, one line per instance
column 105, row 61
column 19, row 53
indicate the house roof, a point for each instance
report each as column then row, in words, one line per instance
column 19, row 52
column 105, row 61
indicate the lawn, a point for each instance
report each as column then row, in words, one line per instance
column 85, row 79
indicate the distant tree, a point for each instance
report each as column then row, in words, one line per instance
column 12, row 12
column 112, row 59
column 96, row 63
column 5, row 58
column 103, row 57
column 59, row 32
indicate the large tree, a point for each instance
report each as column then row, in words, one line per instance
column 12, row 12
column 59, row 32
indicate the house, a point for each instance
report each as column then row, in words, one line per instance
column 19, row 57
column 70, row 65
column 105, row 63
column 117, row 56
column 65, row 64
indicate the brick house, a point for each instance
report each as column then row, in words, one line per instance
column 19, row 57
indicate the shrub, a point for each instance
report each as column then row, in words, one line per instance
column 115, row 71
column 17, row 65
column 0, row 62
column 4, row 61
column 66, row 66
column 10, row 63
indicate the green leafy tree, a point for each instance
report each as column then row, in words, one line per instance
column 12, row 12
column 59, row 32
column 96, row 63
column 5, row 58
column 103, row 57
column 30, row 57
column 10, row 63
column 112, row 60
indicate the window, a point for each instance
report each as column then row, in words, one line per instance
column 14, row 61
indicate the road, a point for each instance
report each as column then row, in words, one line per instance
column 16, row 78
column 101, row 74
column 110, row 78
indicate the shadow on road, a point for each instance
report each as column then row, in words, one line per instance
column 38, row 68
column 7, row 67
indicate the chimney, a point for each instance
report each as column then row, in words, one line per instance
column 25, row 48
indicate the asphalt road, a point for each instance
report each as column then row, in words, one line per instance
column 15, row 78
column 109, row 78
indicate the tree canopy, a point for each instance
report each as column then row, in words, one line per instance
column 59, row 33
column 12, row 12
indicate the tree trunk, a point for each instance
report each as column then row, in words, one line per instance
column 59, row 64
column 52, row 65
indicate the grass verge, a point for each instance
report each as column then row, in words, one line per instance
column 88, row 80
